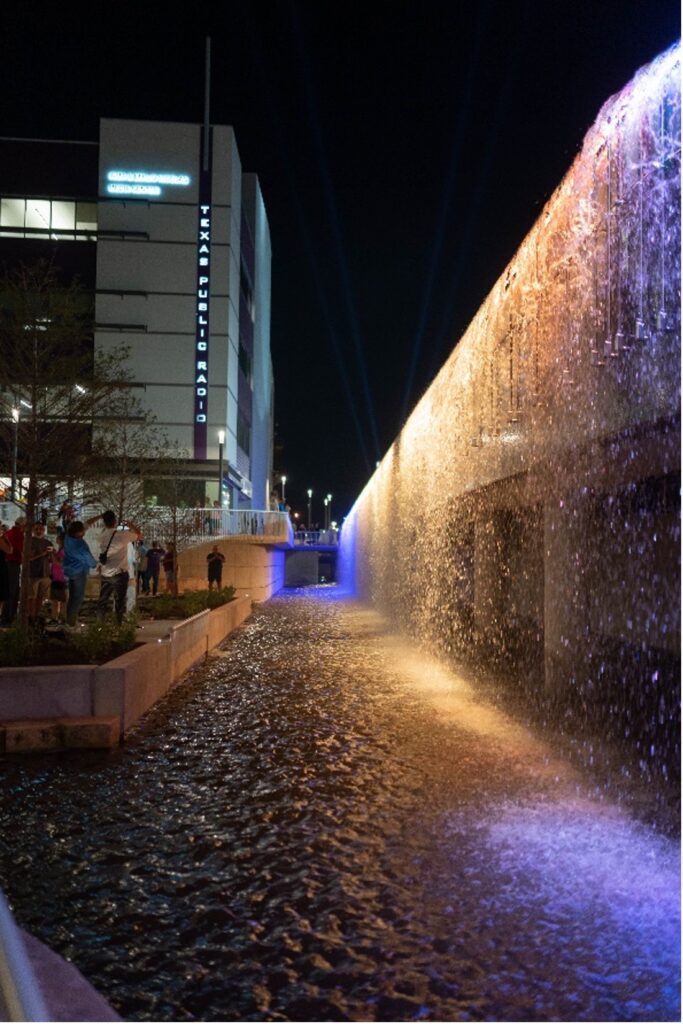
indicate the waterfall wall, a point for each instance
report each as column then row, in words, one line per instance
column 529, row 509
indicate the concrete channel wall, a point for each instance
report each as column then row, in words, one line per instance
column 254, row 568
column 95, row 705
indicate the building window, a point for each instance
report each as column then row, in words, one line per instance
column 59, row 219
column 243, row 434
column 244, row 360
column 247, row 292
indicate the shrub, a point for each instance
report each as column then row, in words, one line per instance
column 99, row 642
column 184, row 606
column 104, row 639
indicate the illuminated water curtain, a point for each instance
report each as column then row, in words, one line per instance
column 530, row 501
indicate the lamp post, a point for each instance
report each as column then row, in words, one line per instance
column 325, row 503
column 329, row 511
column 221, row 442
column 284, row 481
column 15, row 447
column 310, row 495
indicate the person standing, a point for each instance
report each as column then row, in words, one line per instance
column 15, row 537
column 58, row 580
column 214, row 565
column 154, row 556
column 78, row 561
column 114, row 564
column 142, row 580
column 39, row 570
column 170, row 564
column 5, row 549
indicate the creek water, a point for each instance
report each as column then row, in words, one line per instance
column 325, row 823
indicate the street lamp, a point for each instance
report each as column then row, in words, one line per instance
column 329, row 511
column 325, row 503
column 284, row 481
column 15, row 446
column 310, row 495
column 221, row 442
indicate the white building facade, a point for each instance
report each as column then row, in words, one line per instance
column 183, row 280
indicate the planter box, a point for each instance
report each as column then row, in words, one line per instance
column 123, row 689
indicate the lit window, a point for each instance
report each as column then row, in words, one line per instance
column 61, row 219
column 12, row 215
column 38, row 215
column 63, row 215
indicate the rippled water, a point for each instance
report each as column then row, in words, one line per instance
column 324, row 824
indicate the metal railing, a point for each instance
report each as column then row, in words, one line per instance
column 326, row 537
column 198, row 525
column 20, row 995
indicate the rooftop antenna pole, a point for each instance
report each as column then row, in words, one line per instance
column 207, row 99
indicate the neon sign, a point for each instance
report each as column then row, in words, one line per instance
column 202, row 334
column 202, row 300
column 143, row 183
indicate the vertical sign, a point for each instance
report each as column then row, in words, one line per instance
column 203, row 295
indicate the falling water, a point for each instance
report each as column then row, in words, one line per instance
column 527, row 515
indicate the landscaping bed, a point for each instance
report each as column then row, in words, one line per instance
column 101, row 640
column 182, row 606
column 95, row 644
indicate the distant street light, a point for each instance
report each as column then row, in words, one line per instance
column 221, row 442
column 284, row 481
column 15, row 447
column 310, row 495
column 329, row 510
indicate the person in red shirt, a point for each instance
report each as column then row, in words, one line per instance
column 15, row 536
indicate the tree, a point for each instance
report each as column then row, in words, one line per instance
column 55, row 383
column 174, row 520
column 128, row 448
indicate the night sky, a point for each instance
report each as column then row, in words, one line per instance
column 404, row 150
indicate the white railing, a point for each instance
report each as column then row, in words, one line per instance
column 197, row 525
column 330, row 537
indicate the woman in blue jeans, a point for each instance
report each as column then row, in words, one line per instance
column 78, row 561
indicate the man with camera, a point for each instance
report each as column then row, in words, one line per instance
column 114, row 563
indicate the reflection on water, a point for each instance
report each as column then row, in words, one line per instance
column 323, row 824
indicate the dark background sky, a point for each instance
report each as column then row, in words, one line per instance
column 404, row 150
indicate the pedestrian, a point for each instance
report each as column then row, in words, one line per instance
column 66, row 515
column 78, row 561
column 40, row 560
column 214, row 564
column 114, row 564
column 58, row 590
column 142, row 581
column 170, row 564
column 154, row 556
column 217, row 519
column 15, row 536
column 5, row 549
column 197, row 518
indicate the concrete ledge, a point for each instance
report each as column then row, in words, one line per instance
column 31, row 734
column 94, row 733
column 36, row 735
column 189, row 642
column 95, row 705
column 46, row 691
column 66, row 993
